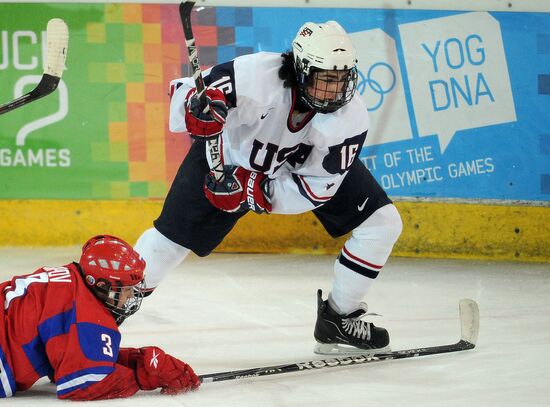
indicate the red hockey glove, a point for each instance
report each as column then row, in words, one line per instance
column 201, row 124
column 240, row 190
column 155, row 369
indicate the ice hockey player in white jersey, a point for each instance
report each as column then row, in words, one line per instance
column 290, row 130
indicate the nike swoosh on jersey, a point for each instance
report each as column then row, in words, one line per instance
column 263, row 116
column 362, row 206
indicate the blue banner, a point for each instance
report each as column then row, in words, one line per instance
column 459, row 101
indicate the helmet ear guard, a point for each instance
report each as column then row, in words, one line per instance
column 101, row 289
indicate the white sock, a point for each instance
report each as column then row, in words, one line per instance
column 362, row 258
column 348, row 289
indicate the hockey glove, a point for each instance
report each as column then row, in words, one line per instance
column 155, row 369
column 205, row 121
column 240, row 190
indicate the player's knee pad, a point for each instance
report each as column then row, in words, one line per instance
column 161, row 255
column 383, row 226
column 372, row 241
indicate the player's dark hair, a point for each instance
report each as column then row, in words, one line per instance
column 287, row 71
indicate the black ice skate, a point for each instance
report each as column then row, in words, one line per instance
column 347, row 334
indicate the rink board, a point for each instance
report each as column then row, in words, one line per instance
column 446, row 230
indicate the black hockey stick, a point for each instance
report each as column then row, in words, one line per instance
column 57, row 38
column 216, row 164
column 469, row 323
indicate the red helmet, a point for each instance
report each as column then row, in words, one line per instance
column 113, row 271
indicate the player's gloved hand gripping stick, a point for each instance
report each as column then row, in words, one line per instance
column 202, row 108
column 205, row 121
column 229, row 188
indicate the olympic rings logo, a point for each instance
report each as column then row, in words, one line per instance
column 380, row 80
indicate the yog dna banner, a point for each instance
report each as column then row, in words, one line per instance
column 458, row 101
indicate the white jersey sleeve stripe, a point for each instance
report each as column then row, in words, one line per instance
column 8, row 386
column 78, row 381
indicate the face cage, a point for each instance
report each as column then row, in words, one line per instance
column 130, row 306
column 327, row 103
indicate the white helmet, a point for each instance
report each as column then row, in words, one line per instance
column 325, row 47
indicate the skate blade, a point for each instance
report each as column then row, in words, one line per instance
column 339, row 349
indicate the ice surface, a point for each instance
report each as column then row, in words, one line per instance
column 228, row 312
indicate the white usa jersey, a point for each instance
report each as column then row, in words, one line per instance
column 306, row 162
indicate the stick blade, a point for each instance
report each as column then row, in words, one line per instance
column 57, row 38
column 469, row 320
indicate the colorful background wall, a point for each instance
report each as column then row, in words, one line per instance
column 459, row 103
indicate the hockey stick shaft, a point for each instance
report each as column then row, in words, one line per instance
column 57, row 38
column 469, row 322
column 333, row 362
column 212, row 145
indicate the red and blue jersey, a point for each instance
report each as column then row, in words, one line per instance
column 52, row 325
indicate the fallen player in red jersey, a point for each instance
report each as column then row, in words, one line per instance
column 62, row 322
